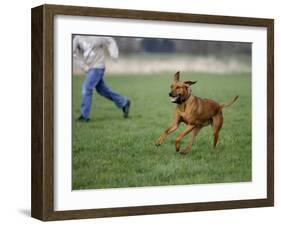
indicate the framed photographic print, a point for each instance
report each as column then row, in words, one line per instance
column 141, row 112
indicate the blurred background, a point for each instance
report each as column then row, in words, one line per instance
column 157, row 55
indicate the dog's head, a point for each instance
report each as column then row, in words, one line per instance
column 180, row 90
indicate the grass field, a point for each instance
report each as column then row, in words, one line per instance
column 111, row 152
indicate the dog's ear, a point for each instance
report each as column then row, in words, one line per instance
column 190, row 82
column 177, row 76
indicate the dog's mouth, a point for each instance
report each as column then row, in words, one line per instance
column 174, row 99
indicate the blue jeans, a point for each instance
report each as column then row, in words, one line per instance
column 94, row 79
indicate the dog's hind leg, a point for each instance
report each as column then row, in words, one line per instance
column 217, row 124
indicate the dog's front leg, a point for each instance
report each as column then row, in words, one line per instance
column 167, row 131
column 191, row 140
column 181, row 135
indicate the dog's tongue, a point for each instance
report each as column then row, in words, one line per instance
column 173, row 99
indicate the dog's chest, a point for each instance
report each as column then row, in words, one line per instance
column 183, row 114
column 188, row 114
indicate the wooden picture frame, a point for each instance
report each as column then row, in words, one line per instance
column 42, row 205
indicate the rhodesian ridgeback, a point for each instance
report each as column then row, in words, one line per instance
column 195, row 112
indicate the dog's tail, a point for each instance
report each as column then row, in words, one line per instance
column 229, row 102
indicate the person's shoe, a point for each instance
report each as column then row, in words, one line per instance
column 81, row 118
column 126, row 109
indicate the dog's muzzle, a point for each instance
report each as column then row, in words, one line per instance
column 174, row 99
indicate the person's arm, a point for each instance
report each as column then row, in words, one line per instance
column 81, row 63
column 112, row 48
column 78, row 54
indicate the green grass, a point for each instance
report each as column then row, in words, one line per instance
column 111, row 152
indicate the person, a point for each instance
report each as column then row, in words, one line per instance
column 89, row 53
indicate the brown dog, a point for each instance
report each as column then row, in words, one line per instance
column 194, row 111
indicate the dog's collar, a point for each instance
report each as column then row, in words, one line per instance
column 189, row 95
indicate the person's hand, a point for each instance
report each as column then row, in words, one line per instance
column 86, row 68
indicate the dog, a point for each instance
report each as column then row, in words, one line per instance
column 195, row 112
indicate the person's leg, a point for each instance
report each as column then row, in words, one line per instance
column 105, row 91
column 119, row 100
column 93, row 77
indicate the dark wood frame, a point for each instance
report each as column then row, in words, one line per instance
column 42, row 203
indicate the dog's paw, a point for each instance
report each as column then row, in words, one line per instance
column 186, row 150
column 159, row 141
column 157, row 144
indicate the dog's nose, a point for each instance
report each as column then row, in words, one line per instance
column 170, row 94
